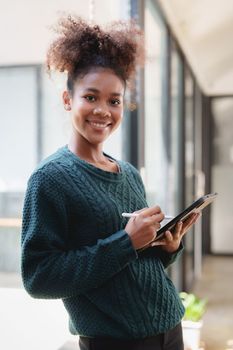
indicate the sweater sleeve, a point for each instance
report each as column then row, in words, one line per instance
column 49, row 268
column 169, row 258
column 166, row 258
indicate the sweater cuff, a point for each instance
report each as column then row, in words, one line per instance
column 169, row 258
column 123, row 247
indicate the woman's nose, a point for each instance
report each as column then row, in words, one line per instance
column 102, row 112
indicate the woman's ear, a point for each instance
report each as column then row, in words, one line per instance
column 66, row 100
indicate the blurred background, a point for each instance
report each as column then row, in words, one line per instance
column 180, row 137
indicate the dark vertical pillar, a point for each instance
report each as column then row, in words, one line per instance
column 206, row 166
column 182, row 188
column 182, row 136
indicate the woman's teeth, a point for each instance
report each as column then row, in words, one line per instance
column 99, row 125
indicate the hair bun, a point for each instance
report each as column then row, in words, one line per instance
column 79, row 45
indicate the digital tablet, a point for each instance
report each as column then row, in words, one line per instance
column 195, row 207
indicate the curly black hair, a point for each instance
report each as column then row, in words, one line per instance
column 80, row 46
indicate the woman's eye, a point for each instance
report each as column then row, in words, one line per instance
column 90, row 98
column 115, row 102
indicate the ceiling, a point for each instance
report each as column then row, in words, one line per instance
column 204, row 31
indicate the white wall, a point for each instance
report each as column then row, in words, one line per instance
column 24, row 24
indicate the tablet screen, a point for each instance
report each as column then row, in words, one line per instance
column 195, row 207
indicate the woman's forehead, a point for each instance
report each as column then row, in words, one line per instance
column 100, row 79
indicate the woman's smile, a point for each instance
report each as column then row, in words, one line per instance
column 98, row 125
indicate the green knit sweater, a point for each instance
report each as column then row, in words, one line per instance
column 74, row 247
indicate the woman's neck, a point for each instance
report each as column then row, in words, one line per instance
column 86, row 151
column 93, row 155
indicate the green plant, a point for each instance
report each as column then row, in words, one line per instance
column 194, row 306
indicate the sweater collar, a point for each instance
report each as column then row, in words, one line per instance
column 107, row 175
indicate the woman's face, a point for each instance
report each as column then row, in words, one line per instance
column 96, row 105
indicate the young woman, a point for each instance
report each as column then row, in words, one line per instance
column 75, row 243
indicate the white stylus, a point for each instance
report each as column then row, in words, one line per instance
column 130, row 215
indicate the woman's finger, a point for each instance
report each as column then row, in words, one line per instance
column 147, row 212
column 187, row 225
column 158, row 242
column 178, row 230
column 190, row 220
column 168, row 236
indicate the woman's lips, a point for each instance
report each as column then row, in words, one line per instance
column 98, row 125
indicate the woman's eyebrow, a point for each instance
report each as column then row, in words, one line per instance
column 96, row 91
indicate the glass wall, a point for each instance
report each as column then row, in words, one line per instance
column 18, row 154
column 156, row 159
column 199, row 177
column 189, row 138
column 222, row 175
column 189, row 172
column 176, row 161
column 18, row 124
column 169, row 132
column 173, row 136
column 176, row 127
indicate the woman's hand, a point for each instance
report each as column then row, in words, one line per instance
column 142, row 228
column 171, row 241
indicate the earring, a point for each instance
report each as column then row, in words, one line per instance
column 67, row 107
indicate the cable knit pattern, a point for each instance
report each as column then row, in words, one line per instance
column 74, row 247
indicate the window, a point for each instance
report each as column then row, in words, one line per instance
column 189, row 173
column 222, row 174
column 156, row 158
